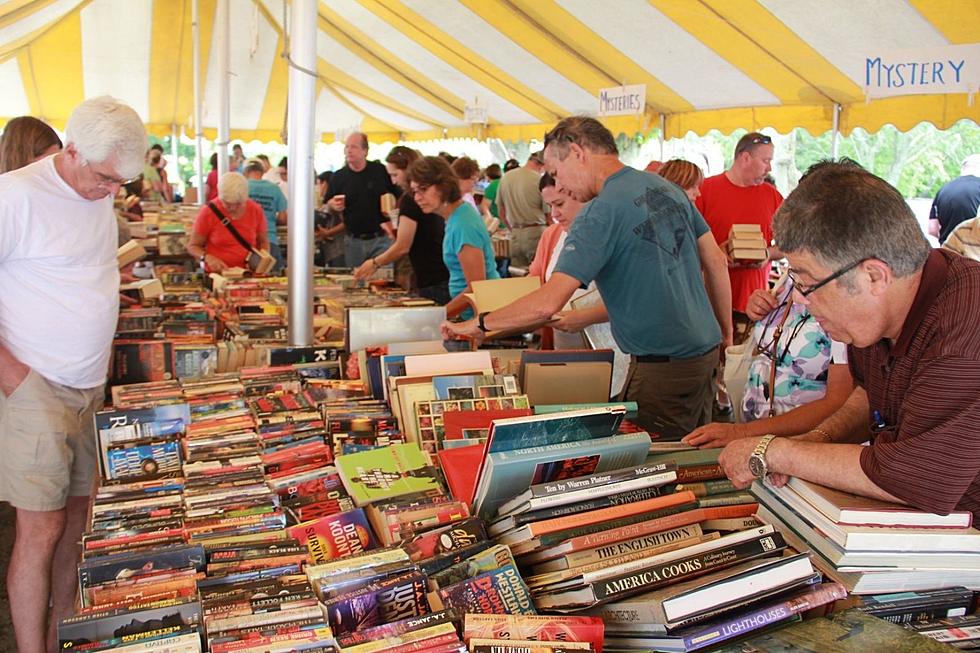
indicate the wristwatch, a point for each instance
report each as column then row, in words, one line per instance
column 480, row 324
column 757, row 459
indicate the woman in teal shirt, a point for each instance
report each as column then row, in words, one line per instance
column 466, row 248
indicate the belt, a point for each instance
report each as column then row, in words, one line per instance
column 652, row 358
column 370, row 236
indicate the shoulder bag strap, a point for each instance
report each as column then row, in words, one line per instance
column 775, row 358
column 230, row 227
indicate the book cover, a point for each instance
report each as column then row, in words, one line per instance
column 645, row 575
column 507, row 472
column 446, row 538
column 457, row 423
column 335, row 536
column 844, row 632
column 536, row 628
column 393, row 629
column 388, row 600
column 501, row 591
column 495, row 557
column 383, row 473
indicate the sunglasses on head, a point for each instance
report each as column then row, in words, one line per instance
column 761, row 140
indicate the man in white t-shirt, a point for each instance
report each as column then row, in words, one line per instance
column 58, row 312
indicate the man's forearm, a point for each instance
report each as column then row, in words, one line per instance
column 834, row 465
column 848, row 425
column 12, row 371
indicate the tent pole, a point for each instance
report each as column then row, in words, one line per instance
column 835, row 138
column 663, row 127
column 301, row 105
column 199, row 155
column 174, row 135
column 224, row 84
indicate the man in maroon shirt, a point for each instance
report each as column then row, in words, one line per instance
column 867, row 274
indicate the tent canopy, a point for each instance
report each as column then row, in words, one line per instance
column 407, row 69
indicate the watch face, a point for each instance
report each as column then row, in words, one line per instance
column 757, row 466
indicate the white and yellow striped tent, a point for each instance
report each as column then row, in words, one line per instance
column 407, row 69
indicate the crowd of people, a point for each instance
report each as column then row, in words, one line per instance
column 841, row 373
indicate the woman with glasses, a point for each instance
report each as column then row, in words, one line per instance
column 214, row 242
column 419, row 235
column 466, row 248
column 797, row 376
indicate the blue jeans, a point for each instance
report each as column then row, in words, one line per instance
column 359, row 250
column 276, row 253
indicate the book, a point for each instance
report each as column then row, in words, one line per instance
column 637, row 545
column 505, row 472
column 876, row 538
column 571, row 490
column 384, row 473
column 501, row 591
column 479, row 563
column 129, row 252
column 643, row 575
column 534, row 529
column 669, row 518
column 924, row 605
column 852, row 509
column 393, row 629
column 561, row 628
column 741, row 621
column 335, row 536
column 775, row 511
column 678, row 602
column 962, row 632
column 509, row 523
column 388, row 600
column 850, row 630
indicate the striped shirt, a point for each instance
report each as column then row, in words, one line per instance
column 924, row 393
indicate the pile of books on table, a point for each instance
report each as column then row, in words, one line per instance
column 873, row 546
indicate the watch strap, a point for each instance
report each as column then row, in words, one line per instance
column 480, row 321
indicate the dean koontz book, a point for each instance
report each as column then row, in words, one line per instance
column 335, row 536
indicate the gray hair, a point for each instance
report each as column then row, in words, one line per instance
column 588, row 133
column 232, row 188
column 103, row 127
column 841, row 213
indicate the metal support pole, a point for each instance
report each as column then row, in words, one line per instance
column 302, row 107
column 224, row 84
column 199, row 155
column 835, row 137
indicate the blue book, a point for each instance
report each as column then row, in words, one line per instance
column 506, row 474
column 541, row 430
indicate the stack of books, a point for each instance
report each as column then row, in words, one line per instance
column 746, row 244
column 873, row 546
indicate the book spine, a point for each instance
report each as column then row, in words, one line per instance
column 598, row 480
column 630, row 496
column 655, row 524
column 921, row 613
column 737, row 499
column 682, row 569
column 693, row 473
column 502, row 591
column 634, row 545
column 762, row 617
column 708, row 488
column 393, row 629
column 611, row 513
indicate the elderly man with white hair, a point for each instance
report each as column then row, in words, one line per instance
column 58, row 312
column 229, row 228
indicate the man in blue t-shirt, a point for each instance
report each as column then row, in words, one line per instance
column 273, row 203
column 661, row 275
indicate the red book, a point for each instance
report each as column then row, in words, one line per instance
column 335, row 536
column 535, row 627
column 461, row 467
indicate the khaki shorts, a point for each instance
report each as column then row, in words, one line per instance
column 48, row 444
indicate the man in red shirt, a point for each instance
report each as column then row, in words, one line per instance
column 740, row 196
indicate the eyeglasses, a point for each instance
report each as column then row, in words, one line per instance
column 806, row 290
column 105, row 180
column 420, row 190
